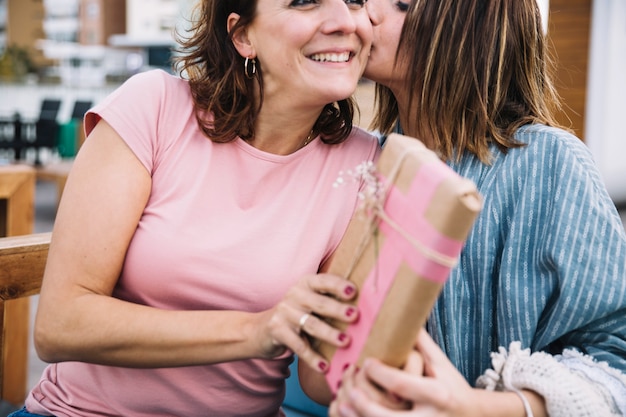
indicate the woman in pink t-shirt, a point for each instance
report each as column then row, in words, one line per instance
column 184, row 268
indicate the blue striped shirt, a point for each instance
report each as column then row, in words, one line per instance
column 545, row 262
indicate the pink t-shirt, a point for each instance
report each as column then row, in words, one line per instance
column 226, row 227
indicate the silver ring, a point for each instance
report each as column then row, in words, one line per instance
column 302, row 321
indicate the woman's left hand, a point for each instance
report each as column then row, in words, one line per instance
column 440, row 390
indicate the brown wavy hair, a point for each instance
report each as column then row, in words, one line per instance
column 479, row 70
column 214, row 68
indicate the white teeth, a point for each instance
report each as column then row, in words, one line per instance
column 342, row 57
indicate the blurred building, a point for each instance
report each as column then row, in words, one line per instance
column 3, row 24
column 61, row 22
column 100, row 19
column 88, row 42
column 151, row 27
column 23, row 26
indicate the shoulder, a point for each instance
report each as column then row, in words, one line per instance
column 155, row 78
column 554, row 164
column 556, row 136
column 154, row 88
column 559, row 143
column 546, row 152
column 158, row 84
column 555, row 152
column 363, row 142
column 144, row 95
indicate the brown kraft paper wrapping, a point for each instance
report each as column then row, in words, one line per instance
column 394, row 305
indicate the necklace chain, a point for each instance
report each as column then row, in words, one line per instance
column 308, row 138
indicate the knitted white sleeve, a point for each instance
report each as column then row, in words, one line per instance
column 572, row 384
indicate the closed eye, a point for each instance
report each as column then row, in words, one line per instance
column 303, row 3
column 357, row 3
column 402, row 6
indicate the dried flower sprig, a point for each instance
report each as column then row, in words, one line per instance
column 371, row 194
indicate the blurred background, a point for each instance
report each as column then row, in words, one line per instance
column 80, row 50
column 59, row 57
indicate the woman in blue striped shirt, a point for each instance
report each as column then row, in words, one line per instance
column 533, row 319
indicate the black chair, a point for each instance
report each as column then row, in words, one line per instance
column 80, row 108
column 49, row 109
column 46, row 128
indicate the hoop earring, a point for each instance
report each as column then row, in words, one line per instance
column 249, row 68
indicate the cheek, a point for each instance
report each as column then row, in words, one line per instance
column 364, row 29
column 395, row 30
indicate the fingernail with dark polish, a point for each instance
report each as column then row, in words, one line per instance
column 349, row 290
column 322, row 366
column 396, row 397
column 350, row 311
column 342, row 337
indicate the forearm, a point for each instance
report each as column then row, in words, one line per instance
column 105, row 330
column 508, row 404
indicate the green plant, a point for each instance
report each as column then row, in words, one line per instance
column 15, row 62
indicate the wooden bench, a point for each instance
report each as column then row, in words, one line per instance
column 17, row 198
column 23, row 260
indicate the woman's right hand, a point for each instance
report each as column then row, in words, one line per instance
column 429, row 385
column 302, row 313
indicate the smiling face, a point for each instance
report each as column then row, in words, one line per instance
column 310, row 51
column 387, row 17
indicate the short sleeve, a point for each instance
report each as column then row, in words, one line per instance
column 143, row 112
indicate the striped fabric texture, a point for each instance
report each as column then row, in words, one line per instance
column 545, row 263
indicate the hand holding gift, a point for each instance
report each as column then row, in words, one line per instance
column 399, row 248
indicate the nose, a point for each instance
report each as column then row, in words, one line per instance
column 372, row 11
column 339, row 17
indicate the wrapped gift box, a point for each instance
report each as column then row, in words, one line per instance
column 399, row 248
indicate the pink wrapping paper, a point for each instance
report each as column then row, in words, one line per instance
column 399, row 249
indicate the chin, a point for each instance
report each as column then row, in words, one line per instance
column 341, row 92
